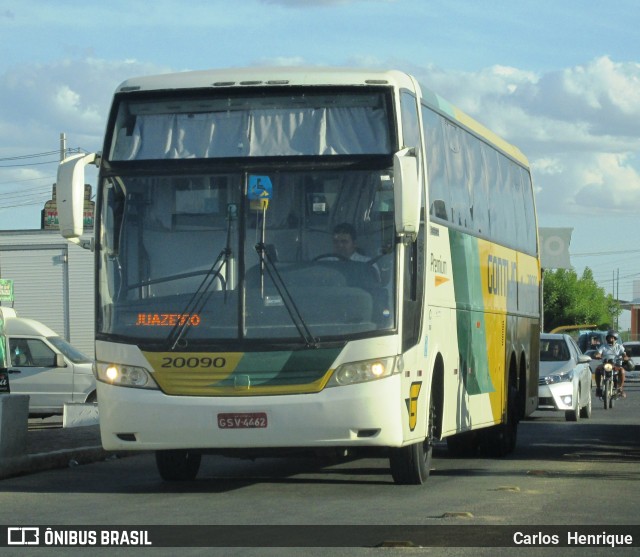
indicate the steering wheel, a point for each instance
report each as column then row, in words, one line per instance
column 375, row 269
column 375, row 259
column 330, row 256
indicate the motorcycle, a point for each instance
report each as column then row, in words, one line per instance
column 611, row 369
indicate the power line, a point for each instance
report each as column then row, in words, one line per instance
column 32, row 156
column 45, row 189
column 37, row 156
column 600, row 253
column 619, row 278
column 28, row 164
column 50, row 177
column 26, row 203
column 33, row 199
column 27, row 195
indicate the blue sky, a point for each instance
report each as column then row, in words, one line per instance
column 560, row 79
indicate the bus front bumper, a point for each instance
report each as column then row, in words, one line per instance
column 367, row 414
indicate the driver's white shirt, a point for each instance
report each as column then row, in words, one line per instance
column 355, row 256
column 611, row 352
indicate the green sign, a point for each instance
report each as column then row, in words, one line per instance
column 6, row 290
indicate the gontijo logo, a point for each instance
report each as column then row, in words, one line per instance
column 500, row 271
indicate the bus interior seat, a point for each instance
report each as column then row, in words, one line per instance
column 301, row 275
column 186, row 257
column 343, row 306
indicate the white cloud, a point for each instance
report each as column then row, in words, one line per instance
column 71, row 96
column 548, row 165
column 41, row 101
column 580, row 127
column 284, row 61
column 604, row 83
column 612, row 180
column 71, row 103
column 588, row 184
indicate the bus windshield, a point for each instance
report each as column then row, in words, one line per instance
column 222, row 126
column 297, row 255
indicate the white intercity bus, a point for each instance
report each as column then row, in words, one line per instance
column 307, row 258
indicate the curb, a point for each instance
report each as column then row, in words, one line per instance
column 65, row 458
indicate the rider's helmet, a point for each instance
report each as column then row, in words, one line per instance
column 612, row 337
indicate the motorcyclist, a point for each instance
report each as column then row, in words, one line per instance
column 611, row 350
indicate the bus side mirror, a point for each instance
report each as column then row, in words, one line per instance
column 407, row 198
column 70, row 195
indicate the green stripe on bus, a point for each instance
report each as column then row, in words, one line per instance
column 470, row 321
column 284, row 367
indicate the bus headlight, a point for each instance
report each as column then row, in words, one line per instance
column 359, row 372
column 124, row 375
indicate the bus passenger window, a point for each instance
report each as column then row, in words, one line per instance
column 439, row 209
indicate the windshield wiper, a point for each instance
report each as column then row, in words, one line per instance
column 199, row 298
column 289, row 304
column 201, row 295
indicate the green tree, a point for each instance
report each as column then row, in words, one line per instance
column 569, row 300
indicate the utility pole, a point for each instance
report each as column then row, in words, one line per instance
column 617, row 295
column 614, row 318
column 63, row 146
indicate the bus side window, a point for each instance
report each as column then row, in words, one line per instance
column 439, row 209
column 435, row 145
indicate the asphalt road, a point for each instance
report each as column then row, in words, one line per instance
column 562, row 473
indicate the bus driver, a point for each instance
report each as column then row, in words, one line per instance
column 344, row 243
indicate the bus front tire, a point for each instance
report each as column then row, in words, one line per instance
column 411, row 465
column 178, row 465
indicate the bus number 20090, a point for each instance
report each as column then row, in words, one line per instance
column 193, row 362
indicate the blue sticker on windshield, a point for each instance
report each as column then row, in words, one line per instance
column 260, row 187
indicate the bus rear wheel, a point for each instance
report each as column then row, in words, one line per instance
column 463, row 445
column 178, row 465
column 500, row 440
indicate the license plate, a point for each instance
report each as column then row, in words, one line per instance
column 244, row 420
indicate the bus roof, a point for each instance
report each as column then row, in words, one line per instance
column 266, row 76
column 314, row 76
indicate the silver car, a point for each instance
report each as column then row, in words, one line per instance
column 632, row 348
column 565, row 377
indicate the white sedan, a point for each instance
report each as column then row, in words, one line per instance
column 565, row 377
